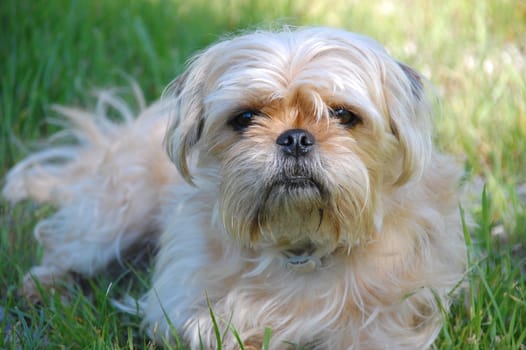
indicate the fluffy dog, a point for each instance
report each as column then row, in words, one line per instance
column 306, row 197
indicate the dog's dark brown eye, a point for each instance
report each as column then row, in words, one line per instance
column 347, row 118
column 243, row 120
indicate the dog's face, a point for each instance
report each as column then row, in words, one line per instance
column 307, row 133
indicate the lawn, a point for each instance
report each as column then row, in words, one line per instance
column 474, row 53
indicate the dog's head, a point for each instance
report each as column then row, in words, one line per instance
column 306, row 131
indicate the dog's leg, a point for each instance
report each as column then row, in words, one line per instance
column 107, row 188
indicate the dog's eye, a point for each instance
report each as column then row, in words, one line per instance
column 347, row 118
column 243, row 120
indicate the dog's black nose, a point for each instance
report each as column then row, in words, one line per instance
column 295, row 142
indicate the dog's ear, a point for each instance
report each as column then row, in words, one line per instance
column 411, row 122
column 185, row 100
column 415, row 80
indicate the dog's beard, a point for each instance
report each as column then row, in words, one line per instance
column 291, row 203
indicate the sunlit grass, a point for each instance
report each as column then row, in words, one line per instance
column 473, row 52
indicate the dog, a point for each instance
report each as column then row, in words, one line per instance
column 290, row 181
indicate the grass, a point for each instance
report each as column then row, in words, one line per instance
column 473, row 52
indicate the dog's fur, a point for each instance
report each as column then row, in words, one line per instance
column 343, row 235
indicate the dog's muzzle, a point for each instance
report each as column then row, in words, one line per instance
column 295, row 145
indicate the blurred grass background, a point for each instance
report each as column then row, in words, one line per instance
column 474, row 53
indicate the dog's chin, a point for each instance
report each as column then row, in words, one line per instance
column 292, row 209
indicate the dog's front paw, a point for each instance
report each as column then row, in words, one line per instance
column 43, row 279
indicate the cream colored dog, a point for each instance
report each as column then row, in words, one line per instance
column 313, row 202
